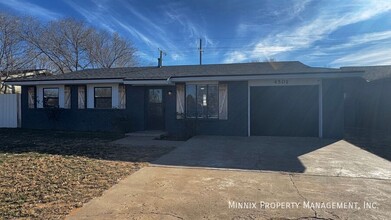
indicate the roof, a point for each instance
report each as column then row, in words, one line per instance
column 26, row 73
column 371, row 72
column 166, row 72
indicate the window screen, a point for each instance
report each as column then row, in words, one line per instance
column 202, row 101
column 102, row 97
column 50, row 98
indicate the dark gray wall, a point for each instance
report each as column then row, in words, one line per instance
column 333, row 108
column 368, row 104
column 87, row 119
column 133, row 117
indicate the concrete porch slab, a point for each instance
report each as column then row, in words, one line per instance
column 148, row 133
column 134, row 141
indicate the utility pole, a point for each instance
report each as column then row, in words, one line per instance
column 160, row 59
column 200, row 49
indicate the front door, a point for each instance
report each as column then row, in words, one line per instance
column 155, row 114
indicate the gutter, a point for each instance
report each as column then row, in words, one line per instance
column 63, row 82
column 329, row 75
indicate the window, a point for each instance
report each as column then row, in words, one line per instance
column 155, row 96
column 67, row 97
column 203, row 101
column 50, row 98
column 213, row 101
column 191, row 101
column 31, row 97
column 102, row 97
column 81, row 97
column 122, row 97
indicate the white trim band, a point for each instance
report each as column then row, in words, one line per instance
column 65, row 82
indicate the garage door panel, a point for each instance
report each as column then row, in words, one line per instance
column 284, row 111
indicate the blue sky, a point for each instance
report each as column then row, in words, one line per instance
column 324, row 33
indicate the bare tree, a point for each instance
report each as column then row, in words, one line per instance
column 63, row 44
column 13, row 49
column 69, row 45
column 110, row 50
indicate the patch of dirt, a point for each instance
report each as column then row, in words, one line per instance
column 46, row 174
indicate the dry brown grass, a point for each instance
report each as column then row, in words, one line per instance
column 47, row 174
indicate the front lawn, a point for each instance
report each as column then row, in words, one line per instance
column 46, row 174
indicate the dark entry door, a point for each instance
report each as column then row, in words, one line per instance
column 284, row 111
column 155, row 114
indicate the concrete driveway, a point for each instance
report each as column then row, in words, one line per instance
column 316, row 179
column 286, row 154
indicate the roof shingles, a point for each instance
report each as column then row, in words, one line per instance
column 165, row 72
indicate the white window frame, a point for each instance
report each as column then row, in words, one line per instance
column 40, row 99
column 114, row 95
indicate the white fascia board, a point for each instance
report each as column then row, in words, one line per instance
column 66, row 82
column 269, row 76
column 148, row 82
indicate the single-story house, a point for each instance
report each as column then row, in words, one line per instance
column 243, row 99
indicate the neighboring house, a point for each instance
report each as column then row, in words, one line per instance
column 16, row 74
column 271, row 99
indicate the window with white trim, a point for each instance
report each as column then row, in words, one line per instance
column 103, row 97
column 51, row 97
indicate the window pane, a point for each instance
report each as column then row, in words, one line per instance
column 202, row 102
column 191, row 105
column 50, row 98
column 213, row 101
column 103, row 92
column 52, row 92
column 103, row 97
column 155, row 96
column 103, row 103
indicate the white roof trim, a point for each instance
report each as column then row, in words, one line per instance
column 148, row 82
column 65, row 82
column 271, row 76
column 173, row 80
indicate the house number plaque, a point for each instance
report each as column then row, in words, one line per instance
column 281, row 81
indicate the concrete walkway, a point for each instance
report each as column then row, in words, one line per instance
column 177, row 193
